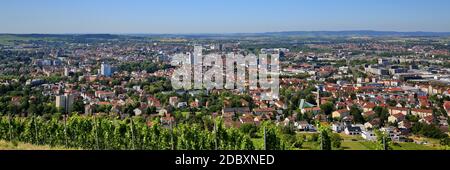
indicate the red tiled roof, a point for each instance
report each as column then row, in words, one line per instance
column 342, row 111
column 370, row 105
column 447, row 106
column 398, row 115
column 369, row 113
column 422, row 110
column 312, row 109
column 398, row 108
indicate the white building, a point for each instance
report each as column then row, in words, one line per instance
column 352, row 130
column 65, row 102
column 105, row 70
column 368, row 135
column 337, row 127
column 66, row 71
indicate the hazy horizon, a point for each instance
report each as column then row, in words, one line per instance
column 220, row 33
column 220, row 16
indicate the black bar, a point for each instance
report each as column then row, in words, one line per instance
column 167, row 159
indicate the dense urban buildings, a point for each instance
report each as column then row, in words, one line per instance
column 360, row 88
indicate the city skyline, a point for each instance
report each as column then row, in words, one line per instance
column 201, row 16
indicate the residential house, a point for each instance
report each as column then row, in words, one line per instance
column 163, row 112
column 352, row 130
column 368, row 114
column 368, row 107
column 337, row 127
column 244, row 103
column 340, row 105
column 396, row 110
column 153, row 102
column 427, row 119
column 173, row 101
column 313, row 110
column 303, row 126
column 182, row 105
column 287, row 121
column 231, row 112
column 392, row 132
column 280, row 104
column 404, row 124
column 396, row 118
column 368, row 135
column 104, row 95
column 422, row 113
column 374, row 123
column 265, row 111
column 137, row 112
column 167, row 120
column 320, row 117
column 447, row 107
column 247, row 119
column 194, row 104
column 340, row 113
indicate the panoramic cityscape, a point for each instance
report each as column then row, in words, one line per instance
column 201, row 82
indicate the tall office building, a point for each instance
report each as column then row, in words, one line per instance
column 66, row 71
column 61, row 102
column 65, row 102
column 105, row 70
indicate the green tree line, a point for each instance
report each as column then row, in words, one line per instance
column 106, row 133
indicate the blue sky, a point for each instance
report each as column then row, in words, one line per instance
column 221, row 16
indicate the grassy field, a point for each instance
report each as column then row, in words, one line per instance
column 24, row 146
column 9, row 39
column 258, row 143
column 358, row 143
column 349, row 143
column 414, row 146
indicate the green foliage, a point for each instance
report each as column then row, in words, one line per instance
column 412, row 118
column 314, row 137
column 159, row 86
column 299, row 140
column 327, row 108
column 104, row 133
column 382, row 113
column 249, row 129
column 148, row 66
column 275, row 139
column 336, row 140
column 383, row 142
column 325, row 137
column 356, row 113
column 391, row 102
column 426, row 130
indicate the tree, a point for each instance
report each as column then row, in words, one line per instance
column 426, row 130
column 311, row 99
column 150, row 110
column 88, row 132
column 391, row 102
column 336, row 140
column 289, row 129
column 383, row 142
column 300, row 139
column 272, row 137
column 78, row 106
column 324, row 137
column 356, row 113
column 249, row 129
column 382, row 113
column 412, row 118
column 327, row 108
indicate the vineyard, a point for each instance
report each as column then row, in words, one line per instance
column 105, row 133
